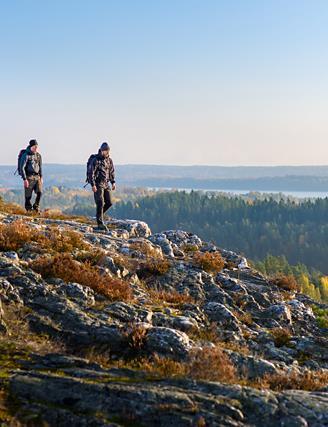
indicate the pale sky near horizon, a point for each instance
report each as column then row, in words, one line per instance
column 217, row 82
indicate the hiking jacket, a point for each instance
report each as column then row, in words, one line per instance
column 101, row 171
column 31, row 164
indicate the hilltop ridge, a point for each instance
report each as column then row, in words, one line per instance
column 134, row 328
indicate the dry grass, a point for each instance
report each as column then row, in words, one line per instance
column 16, row 234
column 11, row 208
column 245, row 318
column 18, row 345
column 145, row 247
column 212, row 262
column 64, row 241
column 308, row 380
column 136, row 335
column 210, row 334
column 175, row 298
column 207, row 334
column 287, row 283
column 239, row 299
column 210, row 364
column 123, row 261
column 281, row 336
column 16, row 318
column 153, row 266
column 64, row 267
column 189, row 248
column 93, row 256
column 57, row 214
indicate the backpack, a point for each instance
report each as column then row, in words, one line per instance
column 19, row 161
column 89, row 163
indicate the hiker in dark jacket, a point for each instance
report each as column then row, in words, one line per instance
column 31, row 172
column 100, row 174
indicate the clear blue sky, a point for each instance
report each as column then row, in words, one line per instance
column 225, row 82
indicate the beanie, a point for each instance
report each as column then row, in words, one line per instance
column 33, row 142
column 104, row 147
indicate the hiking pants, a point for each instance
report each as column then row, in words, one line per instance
column 103, row 199
column 35, row 186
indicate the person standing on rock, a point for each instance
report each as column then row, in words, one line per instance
column 101, row 172
column 30, row 169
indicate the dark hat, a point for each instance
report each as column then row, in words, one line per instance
column 104, row 147
column 33, row 142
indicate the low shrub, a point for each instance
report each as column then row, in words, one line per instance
column 210, row 364
column 57, row 214
column 211, row 334
column 92, row 256
column 288, row 283
column 169, row 297
column 11, row 208
column 212, row 262
column 145, row 247
column 153, row 266
column 136, row 335
column 281, row 336
column 308, row 380
column 64, row 240
column 245, row 318
column 189, row 248
column 16, row 234
column 64, row 267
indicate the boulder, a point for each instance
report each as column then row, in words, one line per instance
column 220, row 314
column 168, row 342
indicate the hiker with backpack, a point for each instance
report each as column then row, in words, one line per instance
column 101, row 172
column 30, row 169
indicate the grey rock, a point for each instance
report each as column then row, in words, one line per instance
column 128, row 313
column 252, row 367
column 280, row 312
column 9, row 293
column 68, row 391
column 84, row 394
column 168, row 341
column 219, row 313
column 134, row 228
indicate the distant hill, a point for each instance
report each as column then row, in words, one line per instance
column 277, row 178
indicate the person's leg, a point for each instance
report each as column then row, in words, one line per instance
column 107, row 199
column 28, row 196
column 99, row 199
column 38, row 190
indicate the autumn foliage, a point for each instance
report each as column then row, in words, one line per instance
column 212, row 262
column 64, row 267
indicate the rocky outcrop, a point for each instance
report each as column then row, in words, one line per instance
column 173, row 313
column 66, row 391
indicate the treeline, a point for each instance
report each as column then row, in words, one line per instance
column 299, row 231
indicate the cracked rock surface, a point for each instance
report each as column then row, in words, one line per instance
column 237, row 304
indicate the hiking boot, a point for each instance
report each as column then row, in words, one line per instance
column 102, row 227
column 36, row 209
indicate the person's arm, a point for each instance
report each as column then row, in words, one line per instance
column 40, row 165
column 112, row 172
column 23, row 163
column 92, row 175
